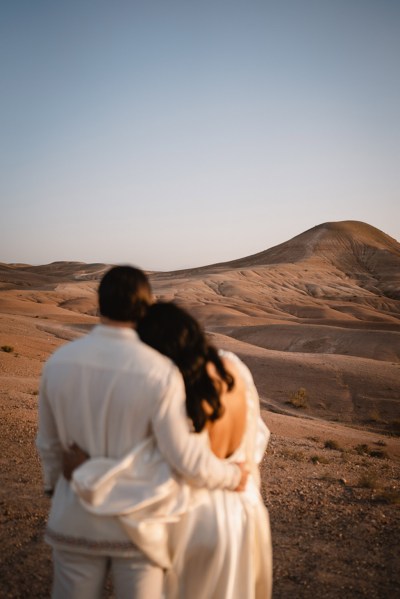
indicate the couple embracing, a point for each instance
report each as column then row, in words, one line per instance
column 168, row 497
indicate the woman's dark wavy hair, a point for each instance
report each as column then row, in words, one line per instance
column 175, row 333
column 124, row 294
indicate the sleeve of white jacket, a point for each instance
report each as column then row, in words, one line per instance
column 186, row 452
column 47, row 441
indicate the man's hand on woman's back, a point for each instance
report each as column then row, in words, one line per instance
column 72, row 459
column 244, row 468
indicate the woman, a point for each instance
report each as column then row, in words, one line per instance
column 218, row 541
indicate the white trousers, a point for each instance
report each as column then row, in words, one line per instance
column 80, row 576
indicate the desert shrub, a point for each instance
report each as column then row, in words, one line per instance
column 362, row 449
column 391, row 496
column 346, row 456
column 375, row 416
column 379, row 453
column 299, row 399
column 7, row 348
column 330, row 444
column 293, row 454
column 328, row 478
column 368, row 481
column 319, row 459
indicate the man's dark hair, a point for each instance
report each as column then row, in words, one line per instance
column 124, row 294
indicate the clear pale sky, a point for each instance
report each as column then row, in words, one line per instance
column 172, row 134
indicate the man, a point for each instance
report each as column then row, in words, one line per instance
column 108, row 392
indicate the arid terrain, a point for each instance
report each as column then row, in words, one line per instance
column 317, row 319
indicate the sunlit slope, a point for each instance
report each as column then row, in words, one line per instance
column 345, row 273
column 320, row 312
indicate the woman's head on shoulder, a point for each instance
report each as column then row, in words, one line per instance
column 175, row 333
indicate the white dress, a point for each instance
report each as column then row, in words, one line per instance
column 214, row 544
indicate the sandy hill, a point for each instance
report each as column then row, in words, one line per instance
column 344, row 243
column 319, row 313
column 48, row 275
column 338, row 275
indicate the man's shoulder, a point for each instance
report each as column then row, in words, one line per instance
column 68, row 349
column 126, row 355
column 156, row 363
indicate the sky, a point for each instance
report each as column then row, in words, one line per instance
column 175, row 133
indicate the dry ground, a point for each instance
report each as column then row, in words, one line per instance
column 334, row 512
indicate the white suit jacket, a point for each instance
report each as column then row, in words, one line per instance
column 109, row 392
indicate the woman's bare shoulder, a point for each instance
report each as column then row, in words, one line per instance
column 230, row 361
column 235, row 364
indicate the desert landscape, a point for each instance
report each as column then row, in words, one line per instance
column 317, row 320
